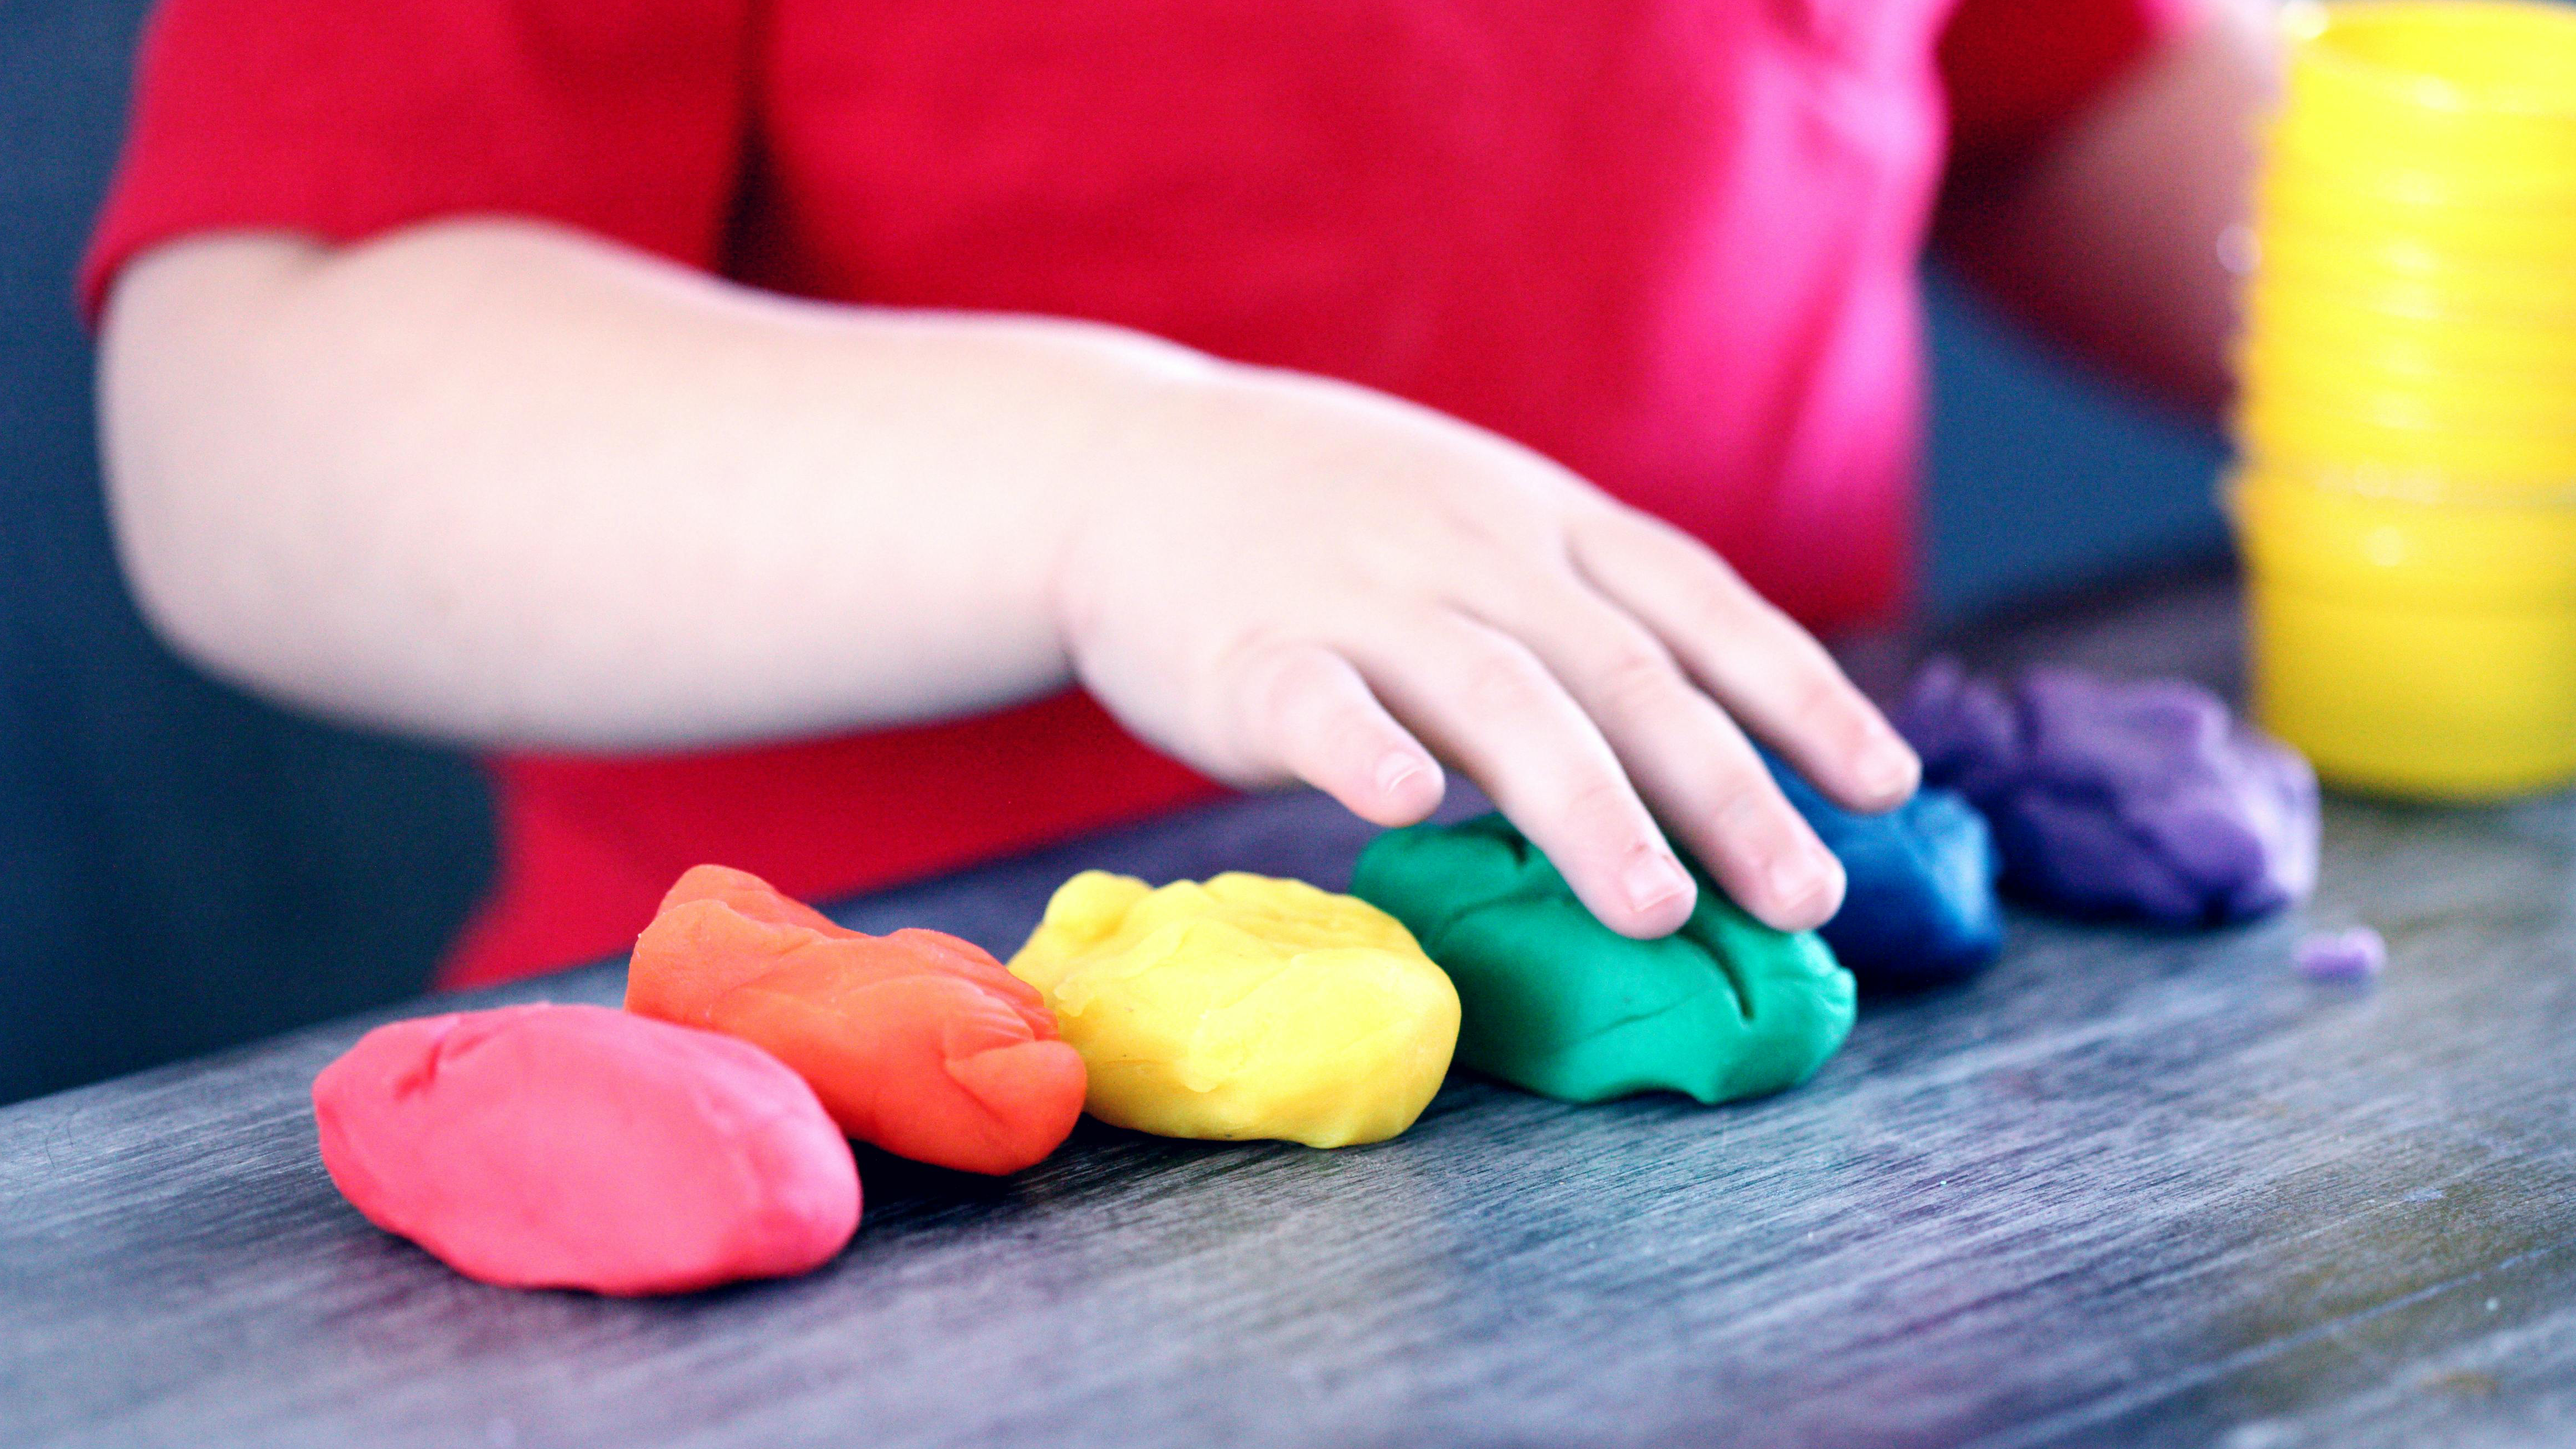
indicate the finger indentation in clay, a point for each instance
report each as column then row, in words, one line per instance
column 1559, row 1004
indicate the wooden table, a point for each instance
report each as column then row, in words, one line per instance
column 2128, row 1187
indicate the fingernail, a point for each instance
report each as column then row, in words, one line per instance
column 1652, row 879
column 1795, row 878
column 1393, row 771
column 1887, row 767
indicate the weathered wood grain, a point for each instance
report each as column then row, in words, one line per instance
column 2127, row 1188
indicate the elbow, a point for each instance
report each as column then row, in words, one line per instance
column 172, row 592
column 174, row 388
column 165, row 563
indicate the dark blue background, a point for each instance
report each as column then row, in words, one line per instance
column 182, row 867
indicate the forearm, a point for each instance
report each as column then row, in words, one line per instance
column 511, row 486
column 2113, row 238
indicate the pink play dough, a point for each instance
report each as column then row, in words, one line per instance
column 580, row 1147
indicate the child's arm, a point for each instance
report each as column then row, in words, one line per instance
column 513, row 486
column 2114, row 235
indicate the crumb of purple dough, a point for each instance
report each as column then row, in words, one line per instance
column 2354, row 955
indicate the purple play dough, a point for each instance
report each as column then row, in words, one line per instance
column 2121, row 798
column 2354, row 955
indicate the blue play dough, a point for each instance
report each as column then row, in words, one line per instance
column 1921, row 909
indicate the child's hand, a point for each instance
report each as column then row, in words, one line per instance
column 636, row 530
column 1358, row 579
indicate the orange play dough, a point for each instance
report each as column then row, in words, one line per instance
column 917, row 1042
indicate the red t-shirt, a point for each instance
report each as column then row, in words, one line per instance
column 1671, row 243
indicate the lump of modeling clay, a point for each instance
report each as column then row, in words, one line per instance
column 1246, row 1007
column 1920, row 909
column 917, row 1041
column 2355, row 955
column 579, row 1147
column 1559, row 1004
column 2111, row 798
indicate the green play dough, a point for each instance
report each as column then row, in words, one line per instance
column 1559, row 1004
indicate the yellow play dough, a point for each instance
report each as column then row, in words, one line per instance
column 1246, row 1007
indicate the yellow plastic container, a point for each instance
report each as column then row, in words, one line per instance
column 2449, row 99
column 2407, row 508
column 2423, row 648
column 2384, row 384
column 2528, row 412
column 2400, row 277
column 2284, row 429
column 2326, row 324
column 2307, row 201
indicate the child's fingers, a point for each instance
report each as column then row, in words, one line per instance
column 1497, row 712
column 1694, row 766
column 1768, row 673
column 1314, row 716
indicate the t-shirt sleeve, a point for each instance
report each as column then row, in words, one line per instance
column 2018, row 70
column 342, row 119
